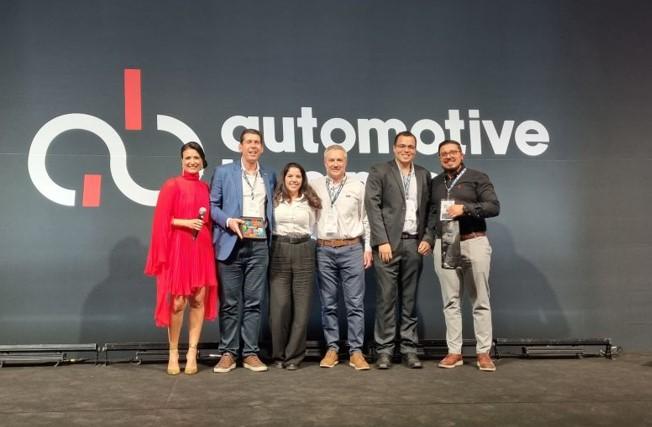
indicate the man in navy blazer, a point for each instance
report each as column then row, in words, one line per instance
column 242, row 189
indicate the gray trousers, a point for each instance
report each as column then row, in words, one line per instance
column 397, row 281
column 291, row 279
column 474, row 276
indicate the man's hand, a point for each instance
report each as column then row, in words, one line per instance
column 424, row 248
column 234, row 226
column 455, row 210
column 385, row 252
column 367, row 259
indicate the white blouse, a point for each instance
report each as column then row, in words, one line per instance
column 294, row 218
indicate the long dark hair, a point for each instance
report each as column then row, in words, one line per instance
column 195, row 146
column 281, row 193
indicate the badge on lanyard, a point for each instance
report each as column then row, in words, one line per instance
column 448, row 202
column 334, row 194
column 331, row 221
column 443, row 210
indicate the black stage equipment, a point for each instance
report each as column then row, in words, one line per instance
column 578, row 347
column 32, row 354
column 139, row 352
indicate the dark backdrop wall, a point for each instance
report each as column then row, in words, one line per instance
column 550, row 98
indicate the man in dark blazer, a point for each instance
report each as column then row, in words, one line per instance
column 243, row 188
column 397, row 198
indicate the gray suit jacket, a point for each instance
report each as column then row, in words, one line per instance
column 385, row 204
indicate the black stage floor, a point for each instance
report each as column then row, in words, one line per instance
column 570, row 392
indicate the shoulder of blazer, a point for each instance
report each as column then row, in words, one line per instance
column 265, row 171
column 378, row 168
column 386, row 167
column 228, row 168
column 421, row 169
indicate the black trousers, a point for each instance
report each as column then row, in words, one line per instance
column 398, row 282
column 292, row 275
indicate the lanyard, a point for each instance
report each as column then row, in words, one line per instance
column 449, row 188
column 251, row 186
column 406, row 182
column 334, row 192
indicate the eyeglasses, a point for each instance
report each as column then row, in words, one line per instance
column 449, row 153
column 406, row 147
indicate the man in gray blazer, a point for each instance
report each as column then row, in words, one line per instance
column 397, row 198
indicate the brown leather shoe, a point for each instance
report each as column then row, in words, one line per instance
column 226, row 364
column 451, row 361
column 358, row 362
column 253, row 363
column 330, row 359
column 485, row 363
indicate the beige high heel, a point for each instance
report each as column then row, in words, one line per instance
column 191, row 369
column 173, row 362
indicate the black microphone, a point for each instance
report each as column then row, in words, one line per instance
column 202, row 212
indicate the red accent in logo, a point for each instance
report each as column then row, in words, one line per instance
column 133, row 115
column 92, row 191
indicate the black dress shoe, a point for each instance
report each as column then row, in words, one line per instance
column 412, row 361
column 383, row 361
column 291, row 367
column 279, row 364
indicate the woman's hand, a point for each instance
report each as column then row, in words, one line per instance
column 193, row 224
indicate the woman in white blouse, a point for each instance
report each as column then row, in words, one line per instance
column 292, row 266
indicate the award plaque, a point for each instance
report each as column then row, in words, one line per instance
column 253, row 227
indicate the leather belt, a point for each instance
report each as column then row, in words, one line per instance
column 291, row 239
column 409, row 236
column 473, row 235
column 338, row 243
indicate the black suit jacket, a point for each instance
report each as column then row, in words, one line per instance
column 385, row 204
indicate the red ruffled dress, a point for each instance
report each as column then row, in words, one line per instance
column 180, row 263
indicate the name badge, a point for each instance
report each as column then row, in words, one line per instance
column 443, row 210
column 331, row 222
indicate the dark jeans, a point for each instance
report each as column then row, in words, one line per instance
column 243, row 279
column 397, row 279
column 292, row 276
column 342, row 267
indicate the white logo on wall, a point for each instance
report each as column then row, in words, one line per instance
column 117, row 155
column 530, row 137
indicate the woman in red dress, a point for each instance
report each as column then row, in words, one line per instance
column 181, row 256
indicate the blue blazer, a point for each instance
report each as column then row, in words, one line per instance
column 226, row 202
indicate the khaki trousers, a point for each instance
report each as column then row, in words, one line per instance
column 473, row 276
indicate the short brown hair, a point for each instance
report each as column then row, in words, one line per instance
column 251, row 131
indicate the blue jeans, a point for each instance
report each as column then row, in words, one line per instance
column 243, row 279
column 342, row 267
